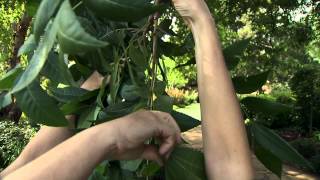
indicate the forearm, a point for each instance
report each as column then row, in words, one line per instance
column 225, row 143
column 45, row 139
column 73, row 159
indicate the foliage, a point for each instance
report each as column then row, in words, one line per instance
column 13, row 138
column 11, row 12
column 306, row 86
column 183, row 97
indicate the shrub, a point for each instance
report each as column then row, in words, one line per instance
column 183, row 97
column 13, row 138
column 306, row 86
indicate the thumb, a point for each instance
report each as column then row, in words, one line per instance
column 151, row 153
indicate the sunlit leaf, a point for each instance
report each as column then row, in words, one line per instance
column 45, row 12
column 38, row 59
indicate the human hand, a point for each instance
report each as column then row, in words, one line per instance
column 132, row 132
column 192, row 10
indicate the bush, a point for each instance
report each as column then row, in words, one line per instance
column 13, row 138
column 183, row 97
column 306, row 86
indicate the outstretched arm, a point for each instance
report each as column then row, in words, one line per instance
column 75, row 158
column 226, row 148
column 49, row 137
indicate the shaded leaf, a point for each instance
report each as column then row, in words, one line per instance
column 247, row 85
column 132, row 165
column 138, row 57
column 233, row 52
column 123, row 10
column 270, row 161
column 40, row 107
column 87, row 117
column 163, row 103
column 56, row 70
column 150, row 169
column 185, row 163
column 184, row 121
column 67, row 94
column 72, row 37
column 277, row 146
column 5, row 100
column 7, row 81
column 76, row 105
column 264, row 106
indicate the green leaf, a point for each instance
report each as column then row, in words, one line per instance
column 185, row 163
column 130, row 92
column 29, row 46
column 159, row 88
column 38, row 59
column 264, row 106
column 72, row 38
column 171, row 49
column 115, row 111
column 165, row 27
column 102, row 90
column 233, row 52
column 40, row 107
column 164, row 103
column 270, row 161
column 87, row 118
column 277, row 146
column 123, row 10
column 45, row 12
column 77, row 104
column 7, row 81
column 150, row 169
column 5, row 100
column 247, row 85
column 184, row 121
column 57, row 70
column 132, row 165
column 67, row 94
column 137, row 56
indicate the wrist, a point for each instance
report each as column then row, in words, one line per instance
column 105, row 135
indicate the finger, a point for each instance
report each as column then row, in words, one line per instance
column 167, row 144
column 151, row 153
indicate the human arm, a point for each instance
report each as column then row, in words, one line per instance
column 226, row 149
column 48, row 137
column 75, row 158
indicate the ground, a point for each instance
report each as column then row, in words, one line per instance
column 194, row 137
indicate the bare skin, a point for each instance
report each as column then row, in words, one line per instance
column 226, row 148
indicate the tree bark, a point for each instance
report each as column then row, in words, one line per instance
column 19, row 36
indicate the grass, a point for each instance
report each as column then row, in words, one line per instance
column 192, row 110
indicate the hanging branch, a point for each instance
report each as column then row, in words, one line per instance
column 155, row 57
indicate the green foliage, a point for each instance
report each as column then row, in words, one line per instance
column 306, row 86
column 11, row 12
column 13, row 138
